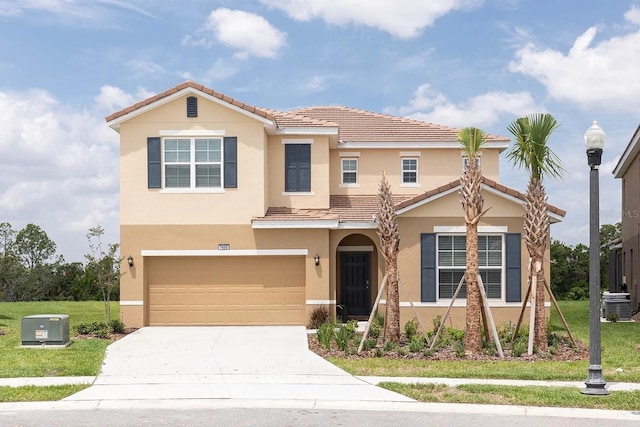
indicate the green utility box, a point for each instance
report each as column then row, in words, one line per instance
column 45, row 330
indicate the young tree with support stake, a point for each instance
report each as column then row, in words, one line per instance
column 472, row 140
column 531, row 151
column 104, row 264
column 389, row 243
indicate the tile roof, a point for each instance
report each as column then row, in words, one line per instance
column 486, row 181
column 364, row 126
column 185, row 85
column 286, row 119
column 363, row 208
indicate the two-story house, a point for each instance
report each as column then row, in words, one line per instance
column 624, row 268
column 239, row 215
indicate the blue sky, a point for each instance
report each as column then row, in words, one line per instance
column 66, row 64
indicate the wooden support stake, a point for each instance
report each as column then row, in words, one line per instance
column 532, row 311
column 455, row 295
column 414, row 311
column 373, row 313
column 524, row 303
column 564, row 322
column 487, row 310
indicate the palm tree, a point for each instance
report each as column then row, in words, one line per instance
column 532, row 152
column 472, row 140
column 389, row 243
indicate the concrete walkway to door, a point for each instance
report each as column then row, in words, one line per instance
column 230, row 362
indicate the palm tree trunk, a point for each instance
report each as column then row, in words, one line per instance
column 536, row 228
column 392, row 316
column 472, row 338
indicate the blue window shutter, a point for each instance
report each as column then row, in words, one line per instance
column 513, row 260
column 290, row 168
column 428, row 267
column 192, row 106
column 304, row 167
column 297, row 167
column 154, row 167
column 230, row 162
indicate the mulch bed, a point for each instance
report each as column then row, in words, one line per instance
column 564, row 353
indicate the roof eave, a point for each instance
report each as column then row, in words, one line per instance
column 630, row 152
column 116, row 122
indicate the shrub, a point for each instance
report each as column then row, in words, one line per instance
column 325, row 335
column 369, row 343
column 97, row 329
column 411, row 328
column 489, row 348
column 416, row 344
column 116, row 326
column 379, row 352
column 388, row 346
column 343, row 335
column 612, row 317
column 519, row 347
column 319, row 315
column 459, row 349
column 374, row 331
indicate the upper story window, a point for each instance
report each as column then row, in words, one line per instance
column 349, row 171
column 409, row 170
column 192, row 162
column 451, row 264
column 297, row 168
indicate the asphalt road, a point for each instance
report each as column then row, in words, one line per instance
column 282, row 418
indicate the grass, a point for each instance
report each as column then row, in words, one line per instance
column 38, row 393
column 82, row 357
column 620, row 349
column 566, row 397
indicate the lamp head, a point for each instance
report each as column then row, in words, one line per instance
column 594, row 137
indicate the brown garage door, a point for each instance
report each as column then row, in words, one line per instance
column 226, row 290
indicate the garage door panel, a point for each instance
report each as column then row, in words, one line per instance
column 229, row 290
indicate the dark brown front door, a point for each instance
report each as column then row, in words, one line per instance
column 355, row 278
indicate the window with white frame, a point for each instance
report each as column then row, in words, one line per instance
column 350, row 171
column 451, row 264
column 409, row 170
column 192, row 162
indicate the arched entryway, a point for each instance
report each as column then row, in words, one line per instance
column 357, row 276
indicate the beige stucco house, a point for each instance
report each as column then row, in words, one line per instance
column 625, row 267
column 240, row 215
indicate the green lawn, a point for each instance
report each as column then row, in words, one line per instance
column 620, row 349
column 565, row 397
column 82, row 357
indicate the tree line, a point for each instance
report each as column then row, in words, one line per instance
column 570, row 265
column 31, row 269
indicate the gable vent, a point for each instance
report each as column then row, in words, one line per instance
column 192, row 106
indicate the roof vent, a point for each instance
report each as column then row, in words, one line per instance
column 192, row 106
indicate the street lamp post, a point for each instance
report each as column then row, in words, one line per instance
column 594, row 140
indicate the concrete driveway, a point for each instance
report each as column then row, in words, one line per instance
column 243, row 362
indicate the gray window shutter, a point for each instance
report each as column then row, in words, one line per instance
column 428, row 267
column 154, row 166
column 304, row 167
column 230, row 162
column 513, row 260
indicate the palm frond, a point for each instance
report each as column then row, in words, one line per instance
column 472, row 141
column 531, row 149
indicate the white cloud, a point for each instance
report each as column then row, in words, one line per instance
column 59, row 165
column 221, row 69
column 249, row 34
column 111, row 98
column 482, row 110
column 403, row 19
column 591, row 74
column 65, row 11
column 145, row 68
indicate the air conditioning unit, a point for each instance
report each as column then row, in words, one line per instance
column 618, row 304
column 45, row 330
